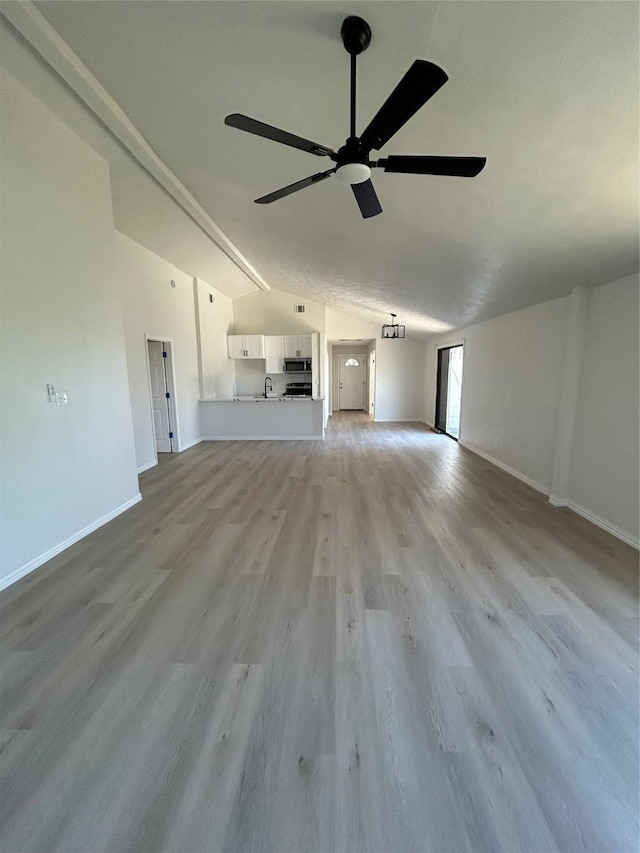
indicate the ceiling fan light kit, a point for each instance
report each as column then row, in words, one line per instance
column 353, row 173
column 353, row 163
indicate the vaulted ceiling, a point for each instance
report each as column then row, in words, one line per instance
column 547, row 91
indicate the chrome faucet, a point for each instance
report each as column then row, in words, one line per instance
column 270, row 388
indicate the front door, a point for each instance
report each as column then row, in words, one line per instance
column 159, row 399
column 351, row 374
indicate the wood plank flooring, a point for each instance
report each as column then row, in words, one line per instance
column 378, row 642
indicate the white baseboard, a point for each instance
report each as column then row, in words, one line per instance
column 613, row 529
column 189, row 444
column 398, row 420
column 181, row 447
column 263, row 438
column 560, row 502
column 26, row 568
column 504, row 467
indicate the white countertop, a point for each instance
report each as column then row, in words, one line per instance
column 249, row 399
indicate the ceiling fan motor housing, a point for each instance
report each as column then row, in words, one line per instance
column 356, row 35
column 352, row 163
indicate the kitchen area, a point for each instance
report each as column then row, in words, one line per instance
column 278, row 392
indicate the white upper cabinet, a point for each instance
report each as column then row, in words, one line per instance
column 274, row 353
column 245, row 346
column 235, row 346
column 290, row 346
column 255, row 346
column 304, row 345
column 273, row 348
column 297, row 346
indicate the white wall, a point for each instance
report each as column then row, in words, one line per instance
column 513, row 375
column 152, row 306
column 341, row 325
column 271, row 313
column 604, row 462
column 213, row 321
column 400, row 380
column 511, row 391
column 63, row 469
column 251, row 375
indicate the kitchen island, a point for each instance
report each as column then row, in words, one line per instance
column 275, row 418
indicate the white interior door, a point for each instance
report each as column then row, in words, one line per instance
column 372, row 381
column 159, row 399
column 351, row 375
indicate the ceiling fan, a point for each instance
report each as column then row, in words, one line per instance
column 353, row 165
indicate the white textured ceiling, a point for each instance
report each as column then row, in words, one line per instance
column 547, row 91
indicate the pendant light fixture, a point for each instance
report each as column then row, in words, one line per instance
column 392, row 329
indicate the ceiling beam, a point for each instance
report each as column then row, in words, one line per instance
column 34, row 27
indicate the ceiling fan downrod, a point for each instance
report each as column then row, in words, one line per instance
column 356, row 38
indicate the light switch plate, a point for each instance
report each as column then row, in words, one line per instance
column 61, row 398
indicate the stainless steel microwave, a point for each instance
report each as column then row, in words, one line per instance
column 297, row 365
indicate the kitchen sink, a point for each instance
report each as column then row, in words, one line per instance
column 258, row 398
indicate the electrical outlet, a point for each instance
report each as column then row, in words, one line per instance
column 496, row 440
column 61, row 398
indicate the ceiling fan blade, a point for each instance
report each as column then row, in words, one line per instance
column 293, row 188
column 462, row 167
column 259, row 128
column 367, row 199
column 419, row 84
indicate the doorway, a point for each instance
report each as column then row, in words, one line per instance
column 351, row 383
column 161, row 391
column 449, row 390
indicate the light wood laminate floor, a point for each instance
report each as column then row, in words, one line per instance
column 378, row 642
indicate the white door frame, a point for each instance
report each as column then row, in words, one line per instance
column 461, row 347
column 455, row 342
column 371, row 383
column 364, row 363
column 171, row 385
